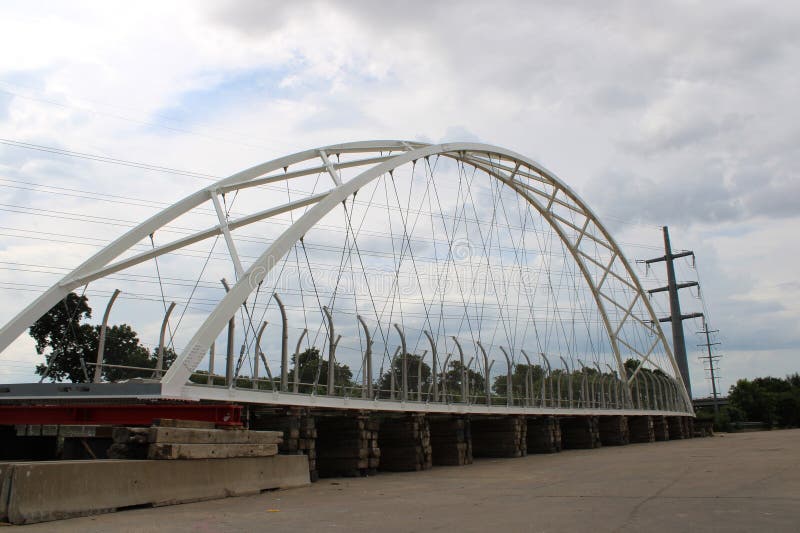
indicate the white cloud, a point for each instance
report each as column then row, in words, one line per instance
column 674, row 114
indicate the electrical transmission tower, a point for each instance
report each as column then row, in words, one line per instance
column 675, row 318
column 712, row 361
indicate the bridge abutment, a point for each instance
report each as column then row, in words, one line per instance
column 499, row 437
column 543, row 434
column 451, row 440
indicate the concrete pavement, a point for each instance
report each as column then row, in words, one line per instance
column 732, row 482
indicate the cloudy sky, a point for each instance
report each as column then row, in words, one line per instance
column 681, row 114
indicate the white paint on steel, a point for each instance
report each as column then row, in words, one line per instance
column 473, row 154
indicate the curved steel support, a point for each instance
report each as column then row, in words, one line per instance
column 260, row 355
column 550, row 377
column 444, row 376
column 161, row 341
column 296, row 384
column 393, row 373
column 467, row 379
column 332, row 342
column 419, row 375
column 101, row 345
column 366, row 364
column 284, row 344
column 509, row 379
column 464, row 374
column 486, row 378
column 434, row 362
column 528, row 383
column 584, row 385
column 569, row 381
column 404, row 359
column 602, row 385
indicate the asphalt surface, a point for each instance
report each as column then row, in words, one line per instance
column 730, row 482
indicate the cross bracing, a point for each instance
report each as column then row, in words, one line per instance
column 452, row 275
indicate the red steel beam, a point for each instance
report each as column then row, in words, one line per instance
column 121, row 415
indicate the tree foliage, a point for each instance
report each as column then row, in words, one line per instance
column 70, row 346
column 314, row 369
column 415, row 364
column 454, row 377
column 518, row 377
column 64, row 341
column 773, row 401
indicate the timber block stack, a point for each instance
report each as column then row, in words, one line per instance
column 451, row 440
column 676, row 427
column 544, row 434
column 405, row 443
column 661, row 428
column 347, row 445
column 689, row 429
column 703, row 428
column 189, row 439
column 499, row 437
column 298, row 427
column 581, row 432
column 641, row 429
column 614, row 430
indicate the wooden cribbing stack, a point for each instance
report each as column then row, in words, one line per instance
column 614, row 430
column 544, row 434
column 641, row 429
column 184, row 439
column 580, row 432
column 451, row 440
column 405, row 443
column 661, row 428
column 677, row 428
column 347, row 445
column 499, row 437
column 298, row 427
column 703, row 428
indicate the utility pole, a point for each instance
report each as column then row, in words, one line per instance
column 675, row 318
column 712, row 359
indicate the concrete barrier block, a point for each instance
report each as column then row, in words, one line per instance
column 44, row 491
column 5, row 487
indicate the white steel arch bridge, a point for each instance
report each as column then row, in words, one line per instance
column 381, row 275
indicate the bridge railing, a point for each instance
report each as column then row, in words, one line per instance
column 648, row 392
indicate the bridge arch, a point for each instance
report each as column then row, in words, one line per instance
column 575, row 224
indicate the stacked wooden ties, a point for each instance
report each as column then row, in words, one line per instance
column 347, row 446
column 544, row 434
column 405, row 443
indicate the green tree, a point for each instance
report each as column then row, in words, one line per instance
column 769, row 400
column 753, row 399
column 413, row 364
column 518, row 380
column 69, row 346
column 453, row 378
column 313, row 368
column 64, row 341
